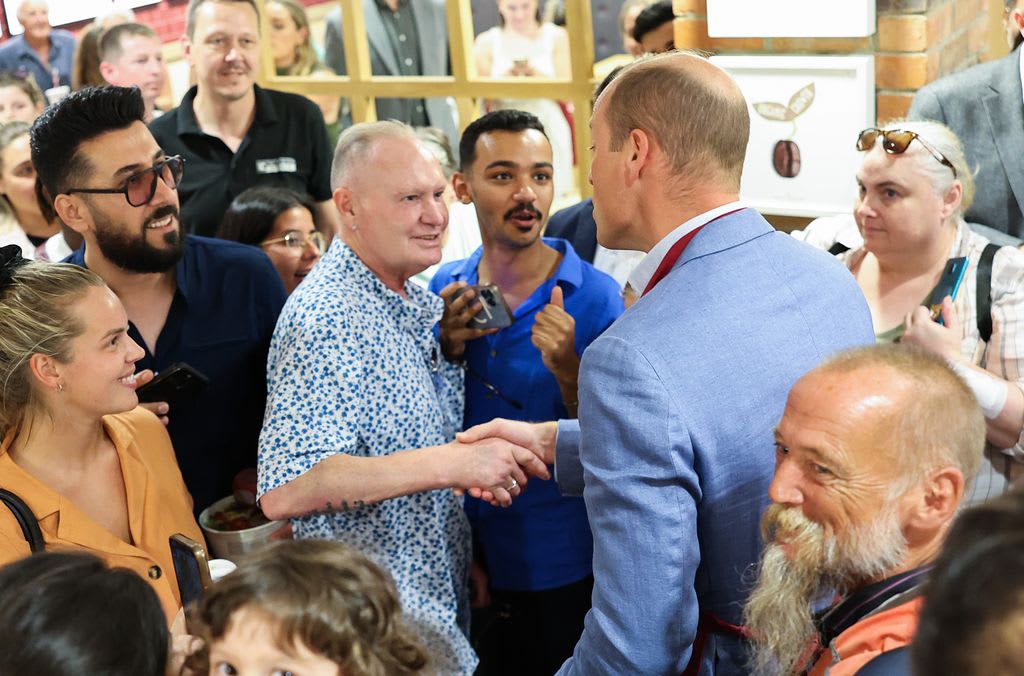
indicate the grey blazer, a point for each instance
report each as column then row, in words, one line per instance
column 984, row 106
column 431, row 21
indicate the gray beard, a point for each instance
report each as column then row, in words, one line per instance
column 779, row 610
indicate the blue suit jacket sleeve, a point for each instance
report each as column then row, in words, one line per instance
column 568, row 470
column 641, row 494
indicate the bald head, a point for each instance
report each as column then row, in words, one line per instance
column 691, row 109
column 922, row 410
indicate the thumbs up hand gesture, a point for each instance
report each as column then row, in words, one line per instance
column 554, row 334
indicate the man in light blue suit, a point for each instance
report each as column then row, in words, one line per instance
column 673, row 450
column 407, row 37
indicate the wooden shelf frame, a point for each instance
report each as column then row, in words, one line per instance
column 463, row 85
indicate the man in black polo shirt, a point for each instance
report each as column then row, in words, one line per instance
column 235, row 134
column 209, row 303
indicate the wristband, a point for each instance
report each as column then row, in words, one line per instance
column 990, row 391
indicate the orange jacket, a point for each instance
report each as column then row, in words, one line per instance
column 877, row 633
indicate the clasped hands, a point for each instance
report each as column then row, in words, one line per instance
column 501, row 455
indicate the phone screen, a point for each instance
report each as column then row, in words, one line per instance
column 188, row 570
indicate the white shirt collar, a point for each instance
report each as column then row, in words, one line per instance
column 646, row 268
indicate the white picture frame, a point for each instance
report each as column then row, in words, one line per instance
column 819, row 104
column 791, row 18
column 63, row 12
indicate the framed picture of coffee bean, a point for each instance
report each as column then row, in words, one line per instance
column 805, row 114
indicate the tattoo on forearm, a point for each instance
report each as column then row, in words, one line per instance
column 332, row 508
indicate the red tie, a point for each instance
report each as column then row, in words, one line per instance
column 669, row 261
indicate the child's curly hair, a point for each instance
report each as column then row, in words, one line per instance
column 319, row 594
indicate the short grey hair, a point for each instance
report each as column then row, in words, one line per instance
column 939, row 422
column 24, row 3
column 945, row 141
column 356, row 142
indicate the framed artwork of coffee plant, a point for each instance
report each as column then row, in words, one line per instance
column 805, row 114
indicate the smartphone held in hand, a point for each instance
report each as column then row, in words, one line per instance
column 495, row 313
column 949, row 284
column 176, row 383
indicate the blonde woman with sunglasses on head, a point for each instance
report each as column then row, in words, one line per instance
column 913, row 186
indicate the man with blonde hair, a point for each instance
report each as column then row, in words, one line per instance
column 872, row 458
column 678, row 398
column 235, row 134
column 131, row 56
column 362, row 408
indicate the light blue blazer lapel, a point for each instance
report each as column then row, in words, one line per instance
column 1004, row 104
column 377, row 36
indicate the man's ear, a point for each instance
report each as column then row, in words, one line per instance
column 186, row 50
column 344, row 201
column 107, row 70
column 73, row 212
column 461, row 187
column 940, row 495
column 638, row 152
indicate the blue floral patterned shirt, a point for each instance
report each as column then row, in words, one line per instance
column 355, row 368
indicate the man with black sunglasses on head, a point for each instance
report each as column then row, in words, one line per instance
column 208, row 303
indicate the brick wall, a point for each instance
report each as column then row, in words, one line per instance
column 916, row 42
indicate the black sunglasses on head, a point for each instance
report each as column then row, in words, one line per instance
column 896, row 141
column 139, row 191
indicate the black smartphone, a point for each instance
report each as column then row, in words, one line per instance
column 175, row 383
column 949, row 284
column 192, row 571
column 495, row 313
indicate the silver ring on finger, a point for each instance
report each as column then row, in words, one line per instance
column 513, row 485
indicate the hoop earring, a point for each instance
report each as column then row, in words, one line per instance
column 60, row 387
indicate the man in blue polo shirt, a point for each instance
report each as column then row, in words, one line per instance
column 41, row 51
column 208, row 303
column 536, row 553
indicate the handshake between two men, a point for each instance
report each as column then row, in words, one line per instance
column 552, row 335
column 532, row 446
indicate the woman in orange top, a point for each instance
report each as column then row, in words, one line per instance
column 97, row 470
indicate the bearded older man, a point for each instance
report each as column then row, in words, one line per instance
column 873, row 454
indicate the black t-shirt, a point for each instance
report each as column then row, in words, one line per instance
column 287, row 146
